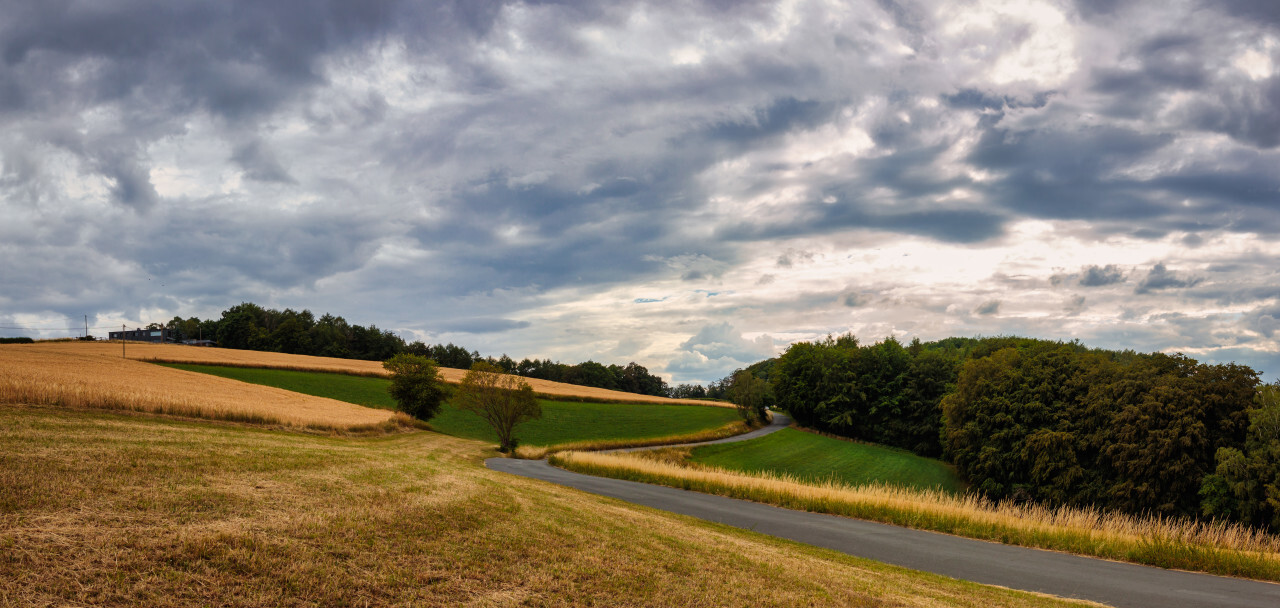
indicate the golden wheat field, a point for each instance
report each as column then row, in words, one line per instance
column 94, row 375
column 176, row 353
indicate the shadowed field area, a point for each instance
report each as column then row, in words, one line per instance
column 561, row 422
column 122, row 510
column 809, row 456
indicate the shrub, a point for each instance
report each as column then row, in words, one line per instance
column 416, row 385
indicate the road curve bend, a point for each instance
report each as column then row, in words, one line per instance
column 1071, row 576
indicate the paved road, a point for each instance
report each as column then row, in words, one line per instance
column 780, row 421
column 1118, row 584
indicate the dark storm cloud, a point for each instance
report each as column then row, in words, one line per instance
column 1259, row 10
column 1169, row 62
column 1063, row 173
column 1096, row 8
column 259, row 163
column 564, row 237
column 780, row 116
column 479, row 325
column 1246, row 112
column 1097, row 276
column 236, row 59
column 990, row 307
column 1160, row 278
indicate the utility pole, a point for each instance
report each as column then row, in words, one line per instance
column 122, row 342
column 86, row 327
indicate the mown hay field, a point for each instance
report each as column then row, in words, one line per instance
column 103, row 509
column 87, row 375
column 176, row 353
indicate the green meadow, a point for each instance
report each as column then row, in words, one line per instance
column 561, row 422
column 814, row 457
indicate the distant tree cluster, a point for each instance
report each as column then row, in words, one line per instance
column 252, row 327
column 885, row 393
column 1063, row 425
column 1053, row 422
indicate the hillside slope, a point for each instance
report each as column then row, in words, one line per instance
column 87, row 375
column 175, row 353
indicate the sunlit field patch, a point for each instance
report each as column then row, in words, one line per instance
column 73, row 376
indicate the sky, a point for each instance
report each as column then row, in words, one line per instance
column 689, row 185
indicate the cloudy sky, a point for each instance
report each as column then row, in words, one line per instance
column 689, row 185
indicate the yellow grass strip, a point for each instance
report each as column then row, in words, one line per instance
column 177, row 353
column 535, row 452
column 1232, row 550
column 88, row 377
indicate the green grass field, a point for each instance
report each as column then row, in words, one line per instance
column 814, row 457
column 561, row 422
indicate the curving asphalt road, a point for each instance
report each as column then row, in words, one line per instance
column 1118, row 584
column 779, row 422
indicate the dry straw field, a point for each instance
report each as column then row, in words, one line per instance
column 174, row 353
column 102, row 510
column 95, row 376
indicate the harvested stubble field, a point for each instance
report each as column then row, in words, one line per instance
column 86, row 375
column 111, row 509
column 174, row 353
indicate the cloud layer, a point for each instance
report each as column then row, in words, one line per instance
column 687, row 186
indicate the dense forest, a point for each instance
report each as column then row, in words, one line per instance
column 252, row 327
column 1053, row 422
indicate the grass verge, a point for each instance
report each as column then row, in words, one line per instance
column 1170, row 543
column 109, row 510
column 812, row 457
column 564, row 424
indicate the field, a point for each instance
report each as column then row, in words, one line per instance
column 114, row 509
column 812, row 457
column 87, row 377
column 561, row 422
column 175, row 353
column 1169, row 543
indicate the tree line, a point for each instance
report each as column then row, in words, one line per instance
column 1053, row 422
column 248, row 326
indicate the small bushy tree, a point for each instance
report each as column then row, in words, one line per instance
column 415, row 385
column 501, row 400
column 752, row 396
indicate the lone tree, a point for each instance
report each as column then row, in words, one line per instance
column 502, row 400
column 415, row 385
column 751, row 395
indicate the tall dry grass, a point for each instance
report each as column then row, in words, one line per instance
column 176, row 353
column 1216, row 548
column 68, row 375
